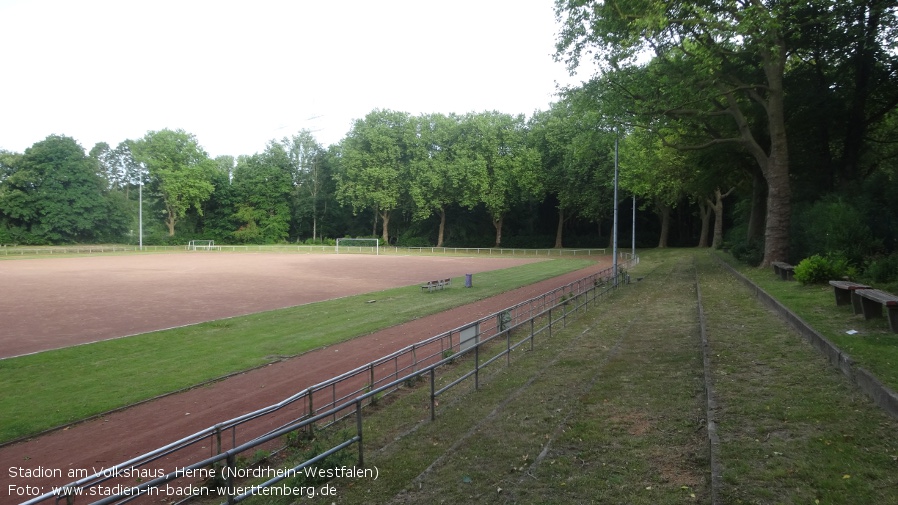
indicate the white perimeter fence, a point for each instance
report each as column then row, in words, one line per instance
column 222, row 445
column 6, row 250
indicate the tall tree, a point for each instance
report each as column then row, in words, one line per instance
column 179, row 170
column 711, row 59
column 263, row 190
column 575, row 150
column 655, row 174
column 374, row 164
column 438, row 168
column 309, row 177
column 503, row 169
column 53, row 193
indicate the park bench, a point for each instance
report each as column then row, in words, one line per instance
column 784, row 270
column 846, row 293
column 437, row 284
column 872, row 301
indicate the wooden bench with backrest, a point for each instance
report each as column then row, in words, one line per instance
column 783, row 270
column 846, row 293
column 437, row 284
column 872, row 301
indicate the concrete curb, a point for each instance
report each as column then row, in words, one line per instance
column 711, row 400
column 882, row 396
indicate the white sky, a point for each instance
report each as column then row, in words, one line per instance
column 237, row 74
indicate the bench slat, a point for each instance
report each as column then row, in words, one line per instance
column 879, row 296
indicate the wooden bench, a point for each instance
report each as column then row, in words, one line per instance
column 784, row 270
column 872, row 301
column 846, row 293
column 437, row 284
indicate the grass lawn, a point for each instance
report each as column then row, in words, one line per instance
column 52, row 388
column 873, row 347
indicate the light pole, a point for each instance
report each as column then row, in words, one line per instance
column 633, row 257
column 140, row 210
column 614, row 238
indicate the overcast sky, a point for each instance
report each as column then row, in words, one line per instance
column 237, row 74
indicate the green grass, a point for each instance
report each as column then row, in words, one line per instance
column 588, row 416
column 792, row 428
column 612, row 410
column 873, row 347
column 52, row 388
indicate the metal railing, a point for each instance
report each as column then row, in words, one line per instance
column 218, row 447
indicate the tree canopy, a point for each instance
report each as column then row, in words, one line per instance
column 178, row 169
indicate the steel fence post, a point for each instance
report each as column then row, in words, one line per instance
column 358, row 417
column 433, row 382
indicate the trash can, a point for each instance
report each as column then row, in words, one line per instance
column 469, row 280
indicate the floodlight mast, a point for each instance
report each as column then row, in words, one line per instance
column 614, row 242
column 140, row 210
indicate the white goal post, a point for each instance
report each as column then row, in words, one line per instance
column 201, row 245
column 359, row 245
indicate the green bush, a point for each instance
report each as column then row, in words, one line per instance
column 412, row 241
column 884, row 269
column 320, row 241
column 820, row 269
column 833, row 226
column 748, row 252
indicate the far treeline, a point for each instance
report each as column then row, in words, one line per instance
column 767, row 127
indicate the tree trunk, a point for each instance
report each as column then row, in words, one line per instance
column 558, row 232
column 170, row 221
column 704, row 209
column 497, row 223
column 442, row 226
column 773, row 162
column 314, row 219
column 385, row 216
column 776, row 172
column 664, row 214
column 864, row 62
column 779, row 212
column 758, row 207
column 718, row 217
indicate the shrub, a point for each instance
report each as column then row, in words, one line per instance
column 749, row 252
column 411, row 241
column 833, row 225
column 321, row 241
column 819, row 269
column 884, row 269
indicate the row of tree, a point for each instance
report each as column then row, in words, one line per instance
column 389, row 164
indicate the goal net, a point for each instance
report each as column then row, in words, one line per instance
column 201, row 245
column 358, row 245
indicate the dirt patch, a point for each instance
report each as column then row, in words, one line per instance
column 58, row 302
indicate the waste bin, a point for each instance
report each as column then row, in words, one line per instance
column 469, row 280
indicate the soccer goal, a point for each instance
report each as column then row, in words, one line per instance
column 201, row 245
column 358, row 245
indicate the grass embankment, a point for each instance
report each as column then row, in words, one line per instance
column 792, row 428
column 873, row 347
column 612, row 410
column 51, row 388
